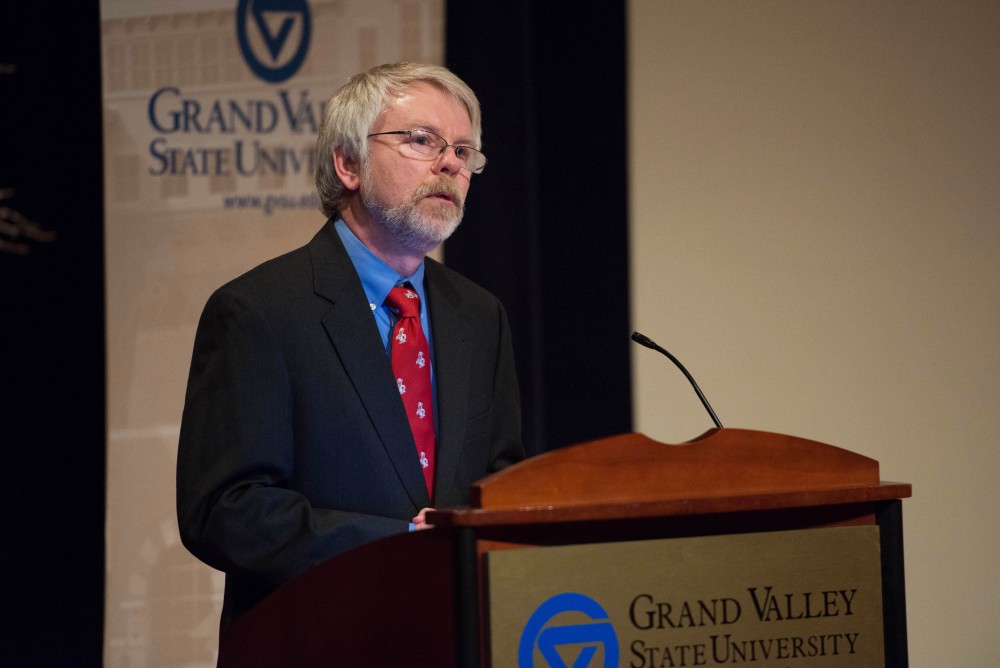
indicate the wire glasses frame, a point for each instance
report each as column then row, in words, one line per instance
column 432, row 145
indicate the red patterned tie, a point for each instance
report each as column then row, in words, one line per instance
column 411, row 364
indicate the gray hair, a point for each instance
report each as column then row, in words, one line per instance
column 350, row 114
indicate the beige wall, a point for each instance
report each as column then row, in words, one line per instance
column 816, row 234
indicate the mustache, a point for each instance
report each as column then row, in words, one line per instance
column 440, row 185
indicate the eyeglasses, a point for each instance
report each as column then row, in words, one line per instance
column 431, row 145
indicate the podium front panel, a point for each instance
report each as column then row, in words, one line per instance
column 809, row 598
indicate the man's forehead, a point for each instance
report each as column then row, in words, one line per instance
column 416, row 107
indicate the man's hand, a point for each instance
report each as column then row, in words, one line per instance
column 420, row 521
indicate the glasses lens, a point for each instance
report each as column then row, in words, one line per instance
column 427, row 143
column 473, row 159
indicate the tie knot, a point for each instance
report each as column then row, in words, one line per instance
column 404, row 300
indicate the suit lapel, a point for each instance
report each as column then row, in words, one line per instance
column 452, row 359
column 352, row 330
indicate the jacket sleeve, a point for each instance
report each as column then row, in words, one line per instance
column 237, row 510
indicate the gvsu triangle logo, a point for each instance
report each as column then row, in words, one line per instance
column 273, row 36
column 555, row 631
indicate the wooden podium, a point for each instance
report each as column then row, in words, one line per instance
column 420, row 599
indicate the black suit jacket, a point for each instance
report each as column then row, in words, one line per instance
column 294, row 443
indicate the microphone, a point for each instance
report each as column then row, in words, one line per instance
column 644, row 340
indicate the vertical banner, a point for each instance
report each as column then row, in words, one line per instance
column 211, row 109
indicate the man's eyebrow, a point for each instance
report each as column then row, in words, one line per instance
column 463, row 141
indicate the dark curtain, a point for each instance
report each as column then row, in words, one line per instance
column 52, row 376
column 546, row 223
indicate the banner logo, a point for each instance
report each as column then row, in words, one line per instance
column 273, row 36
column 579, row 640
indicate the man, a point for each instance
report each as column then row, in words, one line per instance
column 296, row 441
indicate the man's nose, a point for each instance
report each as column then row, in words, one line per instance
column 448, row 161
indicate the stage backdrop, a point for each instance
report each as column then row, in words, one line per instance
column 210, row 117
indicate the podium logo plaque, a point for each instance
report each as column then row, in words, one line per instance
column 790, row 599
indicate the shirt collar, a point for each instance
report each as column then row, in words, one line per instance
column 377, row 277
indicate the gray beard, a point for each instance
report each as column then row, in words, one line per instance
column 408, row 226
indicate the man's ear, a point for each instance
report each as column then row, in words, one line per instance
column 348, row 169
